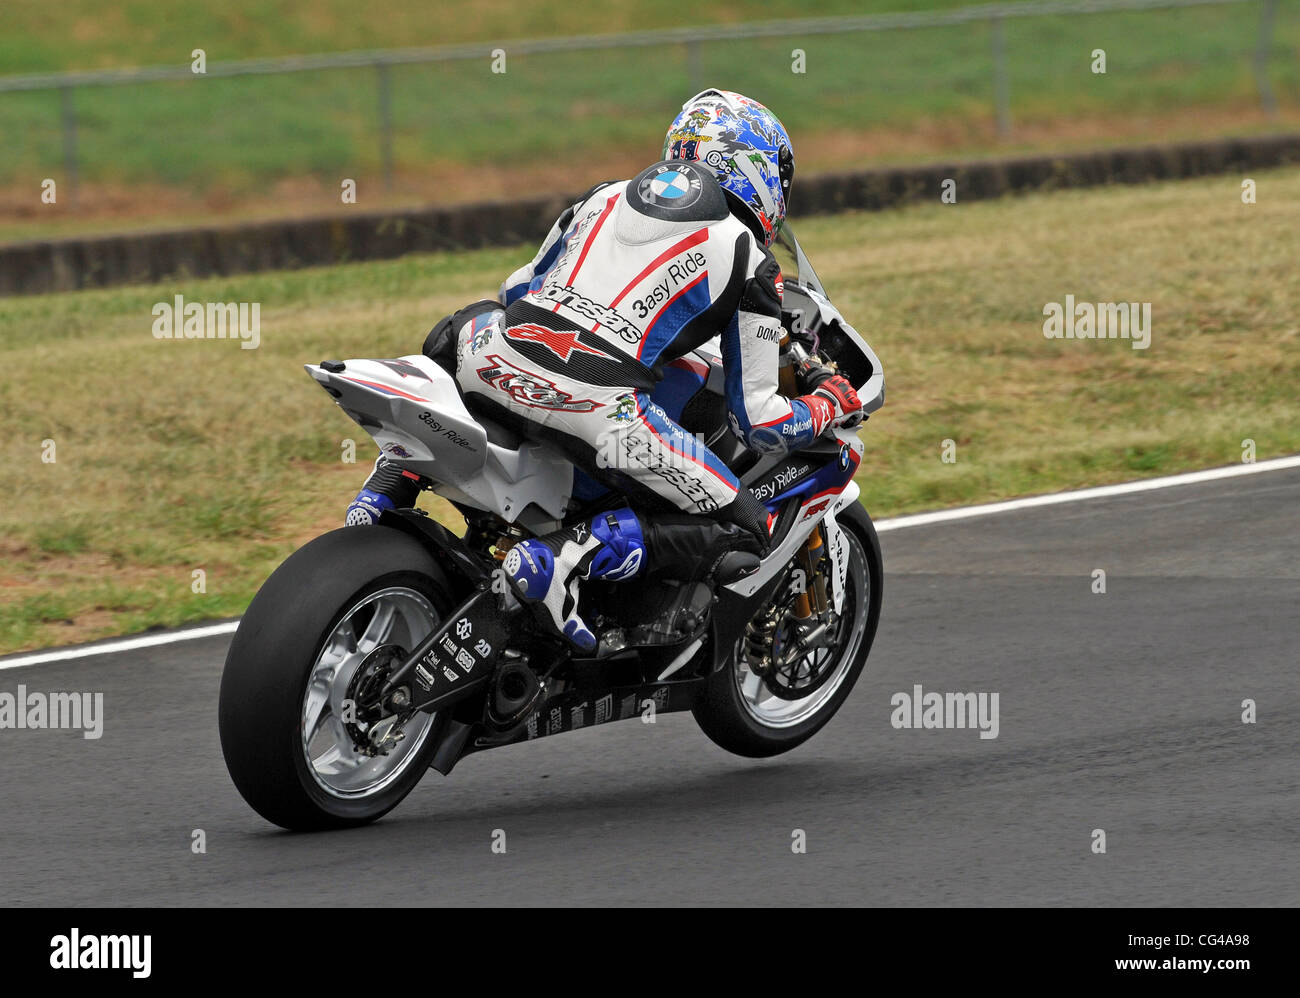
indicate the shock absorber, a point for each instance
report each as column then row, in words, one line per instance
column 492, row 536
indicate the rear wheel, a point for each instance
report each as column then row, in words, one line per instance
column 763, row 712
column 353, row 758
column 325, row 630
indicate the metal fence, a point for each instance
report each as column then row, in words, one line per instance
column 690, row 39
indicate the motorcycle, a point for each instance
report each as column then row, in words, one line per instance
column 375, row 653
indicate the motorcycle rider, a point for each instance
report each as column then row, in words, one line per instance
column 630, row 278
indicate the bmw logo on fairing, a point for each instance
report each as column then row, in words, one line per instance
column 670, row 187
column 844, row 457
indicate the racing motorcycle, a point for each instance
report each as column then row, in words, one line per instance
column 375, row 653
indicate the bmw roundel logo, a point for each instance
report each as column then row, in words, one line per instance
column 670, row 187
column 670, row 184
column 844, row 457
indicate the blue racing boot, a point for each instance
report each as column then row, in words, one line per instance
column 546, row 570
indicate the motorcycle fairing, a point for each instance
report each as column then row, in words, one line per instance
column 810, row 511
column 415, row 412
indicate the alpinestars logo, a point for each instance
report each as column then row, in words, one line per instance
column 530, row 389
column 586, row 307
column 630, row 566
column 561, row 342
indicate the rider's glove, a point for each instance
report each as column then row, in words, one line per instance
column 839, row 392
column 811, row 374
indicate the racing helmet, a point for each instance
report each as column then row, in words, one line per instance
column 745, row 146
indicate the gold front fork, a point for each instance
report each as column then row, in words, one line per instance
column 813, row 598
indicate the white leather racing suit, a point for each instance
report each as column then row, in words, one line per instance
column 629, row 279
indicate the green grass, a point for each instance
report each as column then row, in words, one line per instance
column 82, row 34
column 176, row 456
column 460, row 128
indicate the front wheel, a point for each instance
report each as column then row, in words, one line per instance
column 326, row 628
column 763, row 713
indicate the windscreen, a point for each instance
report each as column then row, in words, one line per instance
column 793, row 261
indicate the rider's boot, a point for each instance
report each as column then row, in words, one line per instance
column 388, row 487
column 619, row 545
column 546, row 570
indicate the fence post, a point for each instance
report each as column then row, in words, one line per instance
column 382, row 70
column 1001, row 88
column 693, row 65
column 69, row 119
column 1266, row 97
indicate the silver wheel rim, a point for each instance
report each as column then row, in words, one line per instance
column 770, row 710
column 394, row 616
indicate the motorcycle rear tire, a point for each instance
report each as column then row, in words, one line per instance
column 272, row 657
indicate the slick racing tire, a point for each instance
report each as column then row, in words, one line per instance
column 335, row 611
column 739, row 709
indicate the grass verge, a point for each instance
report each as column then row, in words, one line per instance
column 177, row 456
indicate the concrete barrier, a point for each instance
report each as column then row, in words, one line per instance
column 146, row 257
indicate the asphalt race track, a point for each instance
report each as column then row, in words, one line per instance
column 1120, row 712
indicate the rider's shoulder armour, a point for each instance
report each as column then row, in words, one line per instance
column 677, row 190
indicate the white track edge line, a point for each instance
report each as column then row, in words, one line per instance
column 1100, row 492
column 895, row 523
column 126, row 644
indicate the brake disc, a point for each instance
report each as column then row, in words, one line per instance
column 786, row 677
